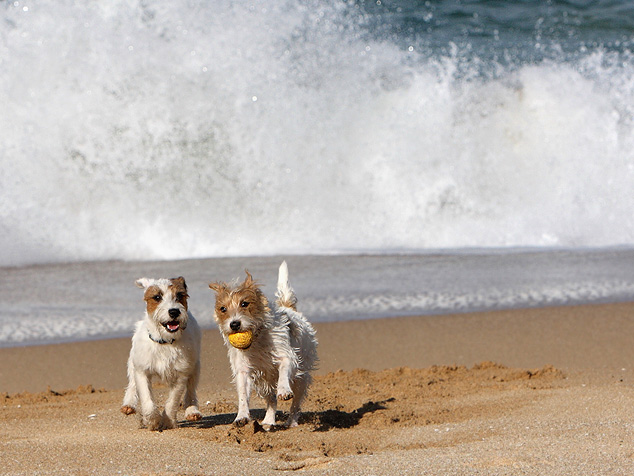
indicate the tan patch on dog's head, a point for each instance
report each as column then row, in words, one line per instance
column 246, row 299
column 178, row 287
column 153, row 297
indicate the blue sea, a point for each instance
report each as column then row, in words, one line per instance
column 406, row 157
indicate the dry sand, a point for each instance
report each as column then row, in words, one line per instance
column 537, row 392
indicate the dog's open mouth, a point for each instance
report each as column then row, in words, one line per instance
column 172, row 326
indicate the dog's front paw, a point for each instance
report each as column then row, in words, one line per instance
column 155, row 421
column 285, row 395
column 291, row 423
column 241, row 421
column 127, row 410
column 165, row 423
column 193, row 414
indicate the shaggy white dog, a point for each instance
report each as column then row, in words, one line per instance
column 166, row 344
column 273, row 350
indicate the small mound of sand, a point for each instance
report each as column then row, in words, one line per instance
column 357, row 412
column 49, row 395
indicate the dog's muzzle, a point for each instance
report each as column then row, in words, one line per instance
column 174, row 325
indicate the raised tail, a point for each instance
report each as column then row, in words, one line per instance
column 285, row 294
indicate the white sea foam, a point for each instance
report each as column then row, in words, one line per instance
column 157, row 131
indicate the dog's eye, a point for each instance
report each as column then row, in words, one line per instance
column 223, row 309
column 180, row 296
column 157, row 298
column 244, row 304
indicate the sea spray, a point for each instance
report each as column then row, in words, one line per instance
column 189, row 129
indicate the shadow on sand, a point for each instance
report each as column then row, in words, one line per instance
column 320, row 421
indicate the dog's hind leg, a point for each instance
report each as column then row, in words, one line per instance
column 300, row 385
column 191, row 400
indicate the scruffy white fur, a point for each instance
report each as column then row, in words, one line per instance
column 284, row 348
column 166, row 344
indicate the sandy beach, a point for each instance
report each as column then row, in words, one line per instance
column 537, row 391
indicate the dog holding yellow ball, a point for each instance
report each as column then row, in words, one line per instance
column 273, row 349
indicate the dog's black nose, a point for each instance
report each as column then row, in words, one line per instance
column 235, row 325
column 174, row 313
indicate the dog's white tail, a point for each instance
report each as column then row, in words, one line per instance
column 285, row 294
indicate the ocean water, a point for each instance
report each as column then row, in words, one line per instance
column 69, row 302
column 134, row 131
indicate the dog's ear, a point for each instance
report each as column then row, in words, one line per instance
column 216, row 286
column 143, row 283
column 180, row 280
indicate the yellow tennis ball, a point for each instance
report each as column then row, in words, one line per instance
column 241, row 340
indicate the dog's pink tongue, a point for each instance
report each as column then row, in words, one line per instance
column 172, row 327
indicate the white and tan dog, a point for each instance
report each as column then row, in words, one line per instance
column 166, row 344
column 273, row 350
